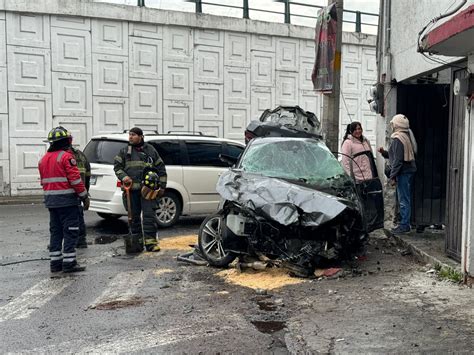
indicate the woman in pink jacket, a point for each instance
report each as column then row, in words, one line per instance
column 353, row 144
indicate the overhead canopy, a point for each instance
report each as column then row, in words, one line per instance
column 455, row 37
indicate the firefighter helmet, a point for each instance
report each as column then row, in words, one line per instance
column 57, row 134
column 151, row 180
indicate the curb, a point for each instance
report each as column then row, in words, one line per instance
column 421, row 255
column 21, row 200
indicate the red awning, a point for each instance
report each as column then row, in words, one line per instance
column 455, row 37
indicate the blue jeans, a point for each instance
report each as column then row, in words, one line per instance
column 404, row 182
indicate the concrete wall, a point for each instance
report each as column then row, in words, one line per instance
column 98, row 68
column 408, row 18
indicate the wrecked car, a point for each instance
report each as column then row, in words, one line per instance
column 287, row 201
column 284, row 121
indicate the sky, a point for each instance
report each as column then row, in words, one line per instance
column 370, row 6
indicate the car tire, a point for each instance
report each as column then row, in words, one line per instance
column 108, row 216
column 210, row 241
column 169, row 209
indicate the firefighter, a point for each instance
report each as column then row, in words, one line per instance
column 131, row 166
column 85, row 170
column 63, row 193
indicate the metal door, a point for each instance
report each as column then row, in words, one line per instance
column 454, row 186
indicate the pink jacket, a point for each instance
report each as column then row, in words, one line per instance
column 361, row 164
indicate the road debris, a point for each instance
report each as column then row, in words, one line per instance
column 269, row 279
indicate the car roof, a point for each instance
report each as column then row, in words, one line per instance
column 165, row 137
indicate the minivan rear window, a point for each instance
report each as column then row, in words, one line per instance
column 170, row 152
column 103, row 151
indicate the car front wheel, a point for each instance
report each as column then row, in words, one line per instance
column 210, row 241
column 169, row 209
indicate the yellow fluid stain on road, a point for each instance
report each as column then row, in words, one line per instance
column 160, row 272
column 268, row 279
column 181, row 243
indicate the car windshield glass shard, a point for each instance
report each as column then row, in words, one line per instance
column 308, row 161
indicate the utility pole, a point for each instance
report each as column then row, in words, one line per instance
column 330, row 115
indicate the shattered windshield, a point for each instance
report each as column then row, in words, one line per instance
column 305, row 160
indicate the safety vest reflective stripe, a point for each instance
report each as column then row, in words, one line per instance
column 53, row 179
column 60, row 155
column 118, row 158
column 76, row 182
column 59, row 192
column 83, row 193
column 135, row 164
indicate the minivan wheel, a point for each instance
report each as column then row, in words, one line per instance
column 169, row 209
column 108, row 216
column 210, row 241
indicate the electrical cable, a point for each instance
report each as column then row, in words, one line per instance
column 23, row 261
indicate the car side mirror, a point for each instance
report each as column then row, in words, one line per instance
column 230, row 160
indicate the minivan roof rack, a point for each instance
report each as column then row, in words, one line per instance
column 189, row 133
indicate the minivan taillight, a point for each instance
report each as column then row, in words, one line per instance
column 119, row 183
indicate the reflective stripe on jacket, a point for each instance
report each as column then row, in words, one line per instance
column 131, row 161
column 61, row 180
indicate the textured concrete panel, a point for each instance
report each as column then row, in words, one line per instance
column 263, row 43
column 110, row 114
column 178, row 44
column 287, row 88
column 30, row 114
column 26, row 153
column 110, row 75
column 208, row 64
column 351, row 53
column 72, row 94
column 209, row 37
column 146, row 97
column 110, row 37
column 178, row 116
column 80, row 128
column 237, row 85
column 30, row 30
column 208, row 100
column 3, row 45
column 3, row 91
column 306, row 68
column 73, row 22
column 178, row 81
column 146, row 30
column 369, row 65
column 4, row 146
column 29, row 69
column 262, row 98
column 71, row 50
column 350, row 111
column 287, row 54
column 209, row 128
column 236, row 118
column 147, row 124
column 263, row 69
column 2, row 15
column 351, row 77
column 146, row 58
column 307, row 48
column 4, row 178
column 310, row 101
column 237, row 49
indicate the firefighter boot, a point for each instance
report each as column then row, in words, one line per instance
column 151, row 244
column 73, row 267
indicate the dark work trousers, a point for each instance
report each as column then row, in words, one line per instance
column 148, row 207
column 82, row 226
column 64, row 230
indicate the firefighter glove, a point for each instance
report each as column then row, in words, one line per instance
column 86, row 203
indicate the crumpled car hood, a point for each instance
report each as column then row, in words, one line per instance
column 280, row 200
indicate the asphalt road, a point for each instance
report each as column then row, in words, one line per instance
column 153, row 304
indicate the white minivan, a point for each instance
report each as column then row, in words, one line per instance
column 192, row 164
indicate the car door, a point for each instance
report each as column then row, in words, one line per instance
column 371, row 195
column 201, row 173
